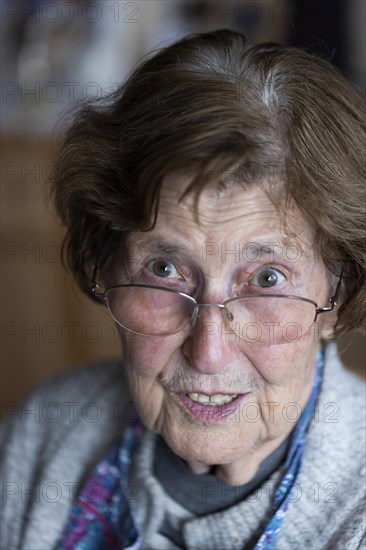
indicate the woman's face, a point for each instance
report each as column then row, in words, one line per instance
column 237, row 246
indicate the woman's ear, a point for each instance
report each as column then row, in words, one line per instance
column 328, row 321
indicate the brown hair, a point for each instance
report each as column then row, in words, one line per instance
column 216, row 104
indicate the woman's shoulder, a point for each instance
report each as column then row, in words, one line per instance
column 342, row 385
column 332, row 478
column 339, row 423
column 80, row 380
column 92, row 394
column 69, row 397
column 52, row 439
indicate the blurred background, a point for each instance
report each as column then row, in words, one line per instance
column 57, row 53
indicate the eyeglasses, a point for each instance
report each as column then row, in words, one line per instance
column 263, row 318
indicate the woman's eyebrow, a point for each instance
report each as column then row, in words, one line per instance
column 162, row 246
column 269, row 248
column 276, row 248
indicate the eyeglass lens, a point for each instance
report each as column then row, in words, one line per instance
column 262, row 319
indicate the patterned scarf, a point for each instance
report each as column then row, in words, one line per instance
column 101, row 516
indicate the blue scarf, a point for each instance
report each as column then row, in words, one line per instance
column 101, row 516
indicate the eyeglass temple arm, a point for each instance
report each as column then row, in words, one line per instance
column 334, row 298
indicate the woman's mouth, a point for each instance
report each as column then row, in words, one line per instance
column 210, row 409
column 212, row 400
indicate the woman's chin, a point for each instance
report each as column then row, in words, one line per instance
column 200, row 451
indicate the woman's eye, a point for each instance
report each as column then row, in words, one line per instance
column 163, row 268
column 268, row 277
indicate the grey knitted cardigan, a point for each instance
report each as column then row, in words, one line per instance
column 67, row 424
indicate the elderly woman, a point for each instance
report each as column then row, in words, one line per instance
column 215, row 203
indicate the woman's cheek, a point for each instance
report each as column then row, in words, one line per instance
column 146, row 355
column 278, row 364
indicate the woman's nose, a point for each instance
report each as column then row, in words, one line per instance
column 210, row 345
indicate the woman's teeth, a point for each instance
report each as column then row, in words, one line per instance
column 213, row 400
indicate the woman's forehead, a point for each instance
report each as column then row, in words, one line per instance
column 233, row 224
column 233, row 209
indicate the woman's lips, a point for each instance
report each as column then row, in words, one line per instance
column 210, row 414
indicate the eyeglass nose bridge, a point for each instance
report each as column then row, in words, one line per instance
column 225, row 312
